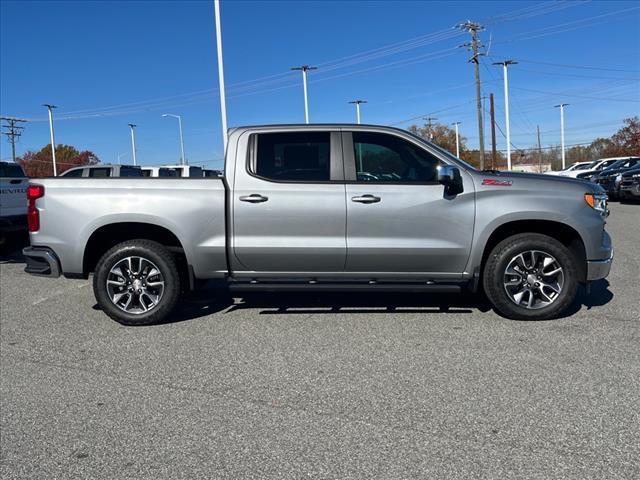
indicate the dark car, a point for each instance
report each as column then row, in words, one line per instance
column 610, row 178
column 630, row 184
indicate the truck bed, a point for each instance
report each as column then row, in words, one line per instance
column 192, row 209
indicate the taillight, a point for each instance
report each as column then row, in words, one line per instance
column 34, row 192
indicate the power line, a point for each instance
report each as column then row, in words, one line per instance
column 13, row 131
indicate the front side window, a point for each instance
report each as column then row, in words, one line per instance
column 131, row 172
column 99, row 172
column 295, row 156
column 167, row 172
column 195, row 172
column 385, row 158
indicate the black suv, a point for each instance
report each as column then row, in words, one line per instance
column 610, row 177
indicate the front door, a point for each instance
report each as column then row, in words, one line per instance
column 289, row 210
column 399, row 219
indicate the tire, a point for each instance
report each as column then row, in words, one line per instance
column 506, row 289
column 124, row 270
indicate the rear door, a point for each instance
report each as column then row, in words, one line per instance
column 288, row 204
column 399, row 219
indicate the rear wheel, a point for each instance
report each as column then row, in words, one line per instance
column 530, row 277
column 137, row 282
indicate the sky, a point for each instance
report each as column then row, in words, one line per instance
column 108, row 64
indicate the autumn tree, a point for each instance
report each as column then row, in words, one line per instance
column 441, row 135
column 626, row 141
column 40, row 164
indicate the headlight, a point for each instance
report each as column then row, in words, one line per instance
column 597, row 201
column 636, row 175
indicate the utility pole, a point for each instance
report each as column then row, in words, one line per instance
column 494, row 153
column 539, row 150
column 473, row 28
column 505, row 64
column 183, row 159
column 429, row 126
column 561, row 106
column 357, row 104
column 457, row 139
column 223, row 99
column 304, row 69
column 53, row 141
column 133, row 126
column 13, row 131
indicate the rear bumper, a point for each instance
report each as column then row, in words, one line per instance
column 41, row 261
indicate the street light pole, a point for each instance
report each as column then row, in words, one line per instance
column 304, row 69
column 561, row 106
column 457, row 139
column 505, row 64
column 223, row 100
column 357, row 104
column 53, row 141
column 183, row 160
column 133, row 126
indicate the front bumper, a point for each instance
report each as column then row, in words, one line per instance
column 599, row 269
column 41, row 261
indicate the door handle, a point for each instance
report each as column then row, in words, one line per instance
column 254, row 198
column 366, row 199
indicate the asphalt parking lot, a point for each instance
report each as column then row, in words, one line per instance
column 322, row 386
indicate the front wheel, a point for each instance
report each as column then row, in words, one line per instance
column 137, row 282
column 530, row 277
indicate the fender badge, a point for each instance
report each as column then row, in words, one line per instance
column 497, row 183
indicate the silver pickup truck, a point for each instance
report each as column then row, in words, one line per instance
column 324, row 207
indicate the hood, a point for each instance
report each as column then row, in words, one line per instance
column 529, row 180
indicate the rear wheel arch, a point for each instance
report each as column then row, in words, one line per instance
column 559, row 231
column 107, row 236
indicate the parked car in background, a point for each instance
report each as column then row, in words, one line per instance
column 609, row 178
column 13, row 199
column 211, row 173
column 186, row 171
column 595, row 167
column 103, row 171
column 570, row 168
column 320, row 208
column 159, row 172
column 630, row 184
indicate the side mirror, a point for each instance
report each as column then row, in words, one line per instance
column 451, row 179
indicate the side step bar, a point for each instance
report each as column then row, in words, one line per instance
column 337, row 287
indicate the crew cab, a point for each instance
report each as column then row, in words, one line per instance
column 324, row 207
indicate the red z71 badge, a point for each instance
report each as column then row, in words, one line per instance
column 497, row 182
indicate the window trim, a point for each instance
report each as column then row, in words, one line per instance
column 349, row 158
column 336, row 171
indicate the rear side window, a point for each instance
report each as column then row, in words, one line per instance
column 73, row 173
column 297, row 156
column 195, row 172
column 146, row 173
column 386, row 158
column 99, row 172
column 131, row 172
column 167, row 172
column 8, row 170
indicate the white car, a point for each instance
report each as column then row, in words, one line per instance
column 594, row 167
column 183, row 171
column 13, row 198
column 575, row 166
